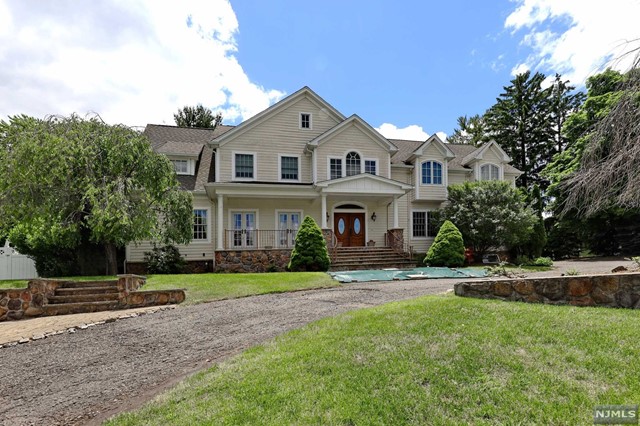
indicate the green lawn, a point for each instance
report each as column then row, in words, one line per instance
column 439, row 360
column 208, row 287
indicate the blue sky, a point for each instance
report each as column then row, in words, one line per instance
column 408, row 68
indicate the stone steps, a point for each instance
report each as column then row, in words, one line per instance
column 354, row 258
column 78, row 298
column 80, row 307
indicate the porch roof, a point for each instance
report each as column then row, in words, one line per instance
column 363, row 184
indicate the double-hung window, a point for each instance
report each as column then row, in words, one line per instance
column 424, row 224
column 200, row 225
column 335, row 168
column 371, row 167
column 289, row 168
column 431, row 173
column 244, row 166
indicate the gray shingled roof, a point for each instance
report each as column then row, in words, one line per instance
column 407, row 147
column 187, row 141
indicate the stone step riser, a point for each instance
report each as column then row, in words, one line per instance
column 85, row 284
column 362, row 267
column 84, row 298
column 78, row 308
column 88, row 290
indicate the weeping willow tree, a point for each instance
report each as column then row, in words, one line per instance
column 609, row 171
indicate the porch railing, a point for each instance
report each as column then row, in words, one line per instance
column 332, row 245
column 400, row 246
column 259, row 239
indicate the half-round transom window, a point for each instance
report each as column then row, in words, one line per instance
column 353, row 163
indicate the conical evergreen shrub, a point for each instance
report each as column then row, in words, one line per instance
column 447, row 248
column 310, row 250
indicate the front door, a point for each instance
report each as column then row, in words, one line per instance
column 349, row 229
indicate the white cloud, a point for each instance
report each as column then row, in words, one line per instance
column 134, row 62
column 412, row 132
column 595, row 35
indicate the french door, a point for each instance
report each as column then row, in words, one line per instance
column 288, row 224
column 244, row 229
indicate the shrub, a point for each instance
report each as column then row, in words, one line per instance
column 310, row 250
column 543, row 261
column 164, row 260
column 522, row 260
column 447, row 248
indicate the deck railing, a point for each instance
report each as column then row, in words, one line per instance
column 259, row 239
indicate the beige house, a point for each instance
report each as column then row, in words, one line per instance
column 253, row 183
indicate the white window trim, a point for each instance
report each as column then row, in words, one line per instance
column 233, row 167
column 444, row 172
column 333, row 157
column 310, row 121
column 190, row 166
column 209, row 231
column 280, row 179
column 480, row 166
column 375, row 160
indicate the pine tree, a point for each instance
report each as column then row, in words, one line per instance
column 310, row 250
column 520, row 122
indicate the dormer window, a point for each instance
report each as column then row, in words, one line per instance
column 431, row 173
column 305, row 120
column 489, row 172
column 182, row 167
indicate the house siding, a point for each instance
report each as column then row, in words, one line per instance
column 278, row 135
column 352, row 138
column 194, row 251
column 430, row 191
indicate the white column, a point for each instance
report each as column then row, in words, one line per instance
column 323, row 218
column 395, row 212
column 220, row 224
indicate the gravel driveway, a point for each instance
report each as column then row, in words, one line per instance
column 84, row 378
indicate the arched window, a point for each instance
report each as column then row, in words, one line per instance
column 353, row 163
column 489, row 172
column 432, row 173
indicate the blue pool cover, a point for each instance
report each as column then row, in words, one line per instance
column 406, row 274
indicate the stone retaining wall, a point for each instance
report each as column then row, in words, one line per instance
column 273, row 260
column 615, row 290
column 29, row 302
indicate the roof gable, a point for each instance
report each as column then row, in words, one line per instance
column 274, row 109
column 478, row 153
column 361, row 125
column 435, row 141
column 363, row 183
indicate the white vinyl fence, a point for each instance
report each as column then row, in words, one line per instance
column 15, row 266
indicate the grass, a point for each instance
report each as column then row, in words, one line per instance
column 438, row 360
column 209, row 287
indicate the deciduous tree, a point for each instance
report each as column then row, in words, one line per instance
column 67, row 180
column 197, row 116
column 489, row 214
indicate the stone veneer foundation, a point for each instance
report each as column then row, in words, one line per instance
column 272, row 260
column 614, row 290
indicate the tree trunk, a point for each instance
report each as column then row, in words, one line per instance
column 110, row 252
